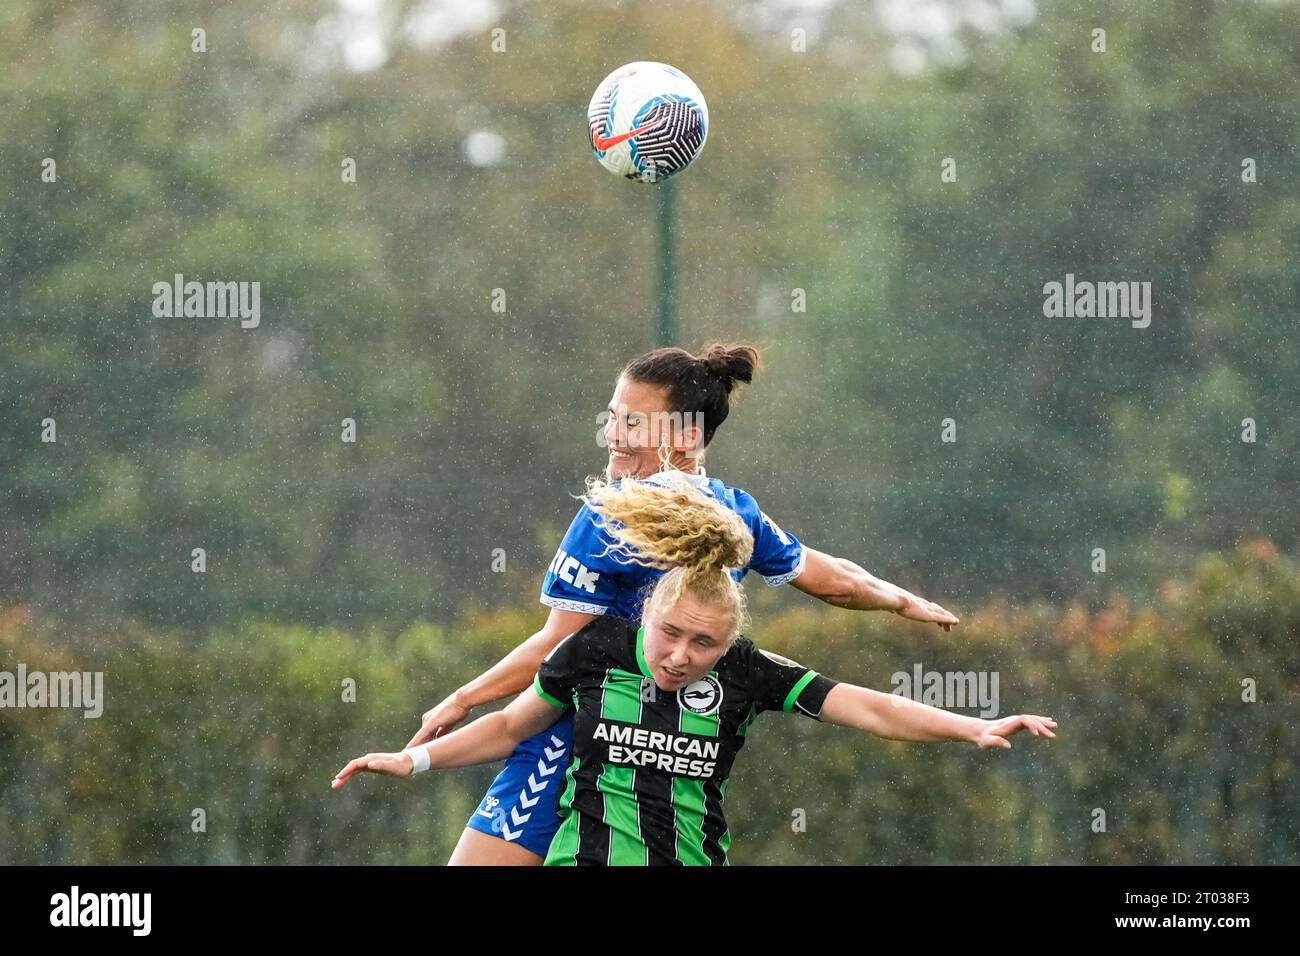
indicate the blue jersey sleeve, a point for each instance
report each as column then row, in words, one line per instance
column 579, row 578
column 778, row 556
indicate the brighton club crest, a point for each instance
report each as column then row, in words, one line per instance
column 702, row 697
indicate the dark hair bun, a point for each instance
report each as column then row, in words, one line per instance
column 731, row 363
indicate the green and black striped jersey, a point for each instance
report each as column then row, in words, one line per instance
column 649, row 770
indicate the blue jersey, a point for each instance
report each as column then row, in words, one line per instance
column 581, row 578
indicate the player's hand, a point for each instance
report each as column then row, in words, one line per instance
column 391, row 765
column 996, row 732
column 919, row 609
column 438, row 720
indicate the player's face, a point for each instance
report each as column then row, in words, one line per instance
column 684, row 642
column 639, row 424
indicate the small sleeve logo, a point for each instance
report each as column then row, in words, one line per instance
column 778, row 659
column 781, row 535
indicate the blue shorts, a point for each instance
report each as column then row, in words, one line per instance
column 522, row 804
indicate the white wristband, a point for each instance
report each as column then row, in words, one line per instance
column 419, row 759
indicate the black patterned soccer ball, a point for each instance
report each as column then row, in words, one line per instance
column 647, row 121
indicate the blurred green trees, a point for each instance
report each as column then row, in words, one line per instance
column 822, row 177
column 822, row 174
column 251, row 725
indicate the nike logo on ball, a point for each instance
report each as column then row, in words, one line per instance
column 602, row 143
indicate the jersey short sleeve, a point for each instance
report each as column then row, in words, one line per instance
column 579, row 579
column 558, row 674
column 778, row 556
column 779, row 683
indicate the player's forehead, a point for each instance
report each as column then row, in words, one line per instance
column 694, row 618
column 630, row 397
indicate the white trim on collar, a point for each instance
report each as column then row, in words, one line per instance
column 699, row 479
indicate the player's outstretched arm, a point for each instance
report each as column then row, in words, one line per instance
column 901, row 718
column 840, row 582
column 491, row 737
column 510, row 675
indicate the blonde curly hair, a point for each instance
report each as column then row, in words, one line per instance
column 671, row 525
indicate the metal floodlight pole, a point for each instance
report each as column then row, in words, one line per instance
column 666, row 278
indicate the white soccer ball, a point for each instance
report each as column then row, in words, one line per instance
column 647, row 121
